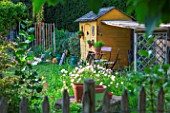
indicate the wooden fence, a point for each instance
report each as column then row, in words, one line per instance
column 88, row 103
column 45, row 35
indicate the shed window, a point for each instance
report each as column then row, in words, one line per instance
column 93, row 32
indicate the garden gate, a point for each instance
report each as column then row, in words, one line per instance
column 45, row 36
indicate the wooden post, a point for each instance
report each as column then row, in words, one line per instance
column 54, row 40
column 23, row 105
column 142, row 101
column 86, row 103
column 135, row 51
column 124, row 102
column 66, row 102
column 3, row 105
column 106, row 103
column 160, row 101
column 45, row 105
column 89, row 87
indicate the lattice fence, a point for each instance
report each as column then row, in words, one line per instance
column 157, row 43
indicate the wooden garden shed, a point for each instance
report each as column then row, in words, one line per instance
column 94, row 29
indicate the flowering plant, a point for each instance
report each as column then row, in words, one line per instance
column 101, row 75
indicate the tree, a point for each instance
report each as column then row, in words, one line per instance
column 10, row 14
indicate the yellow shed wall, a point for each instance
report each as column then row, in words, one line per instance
column 115, row 37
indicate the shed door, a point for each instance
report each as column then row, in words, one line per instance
column 87, row 36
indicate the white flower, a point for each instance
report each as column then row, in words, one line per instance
column 113, row 77
column 64, row 75
column 109, row 85
column 121, row 82
column 105, row 75
column 101, row 83
column 111, row 82
column 117, row 84
column 97, row 75
column 63, row 70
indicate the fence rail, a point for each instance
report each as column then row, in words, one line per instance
column 88, row 102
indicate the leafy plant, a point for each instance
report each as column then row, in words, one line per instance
column 89, row 41
column 98, row 44
column 80, row 32
column 10, row 15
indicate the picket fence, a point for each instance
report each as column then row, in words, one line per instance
column 88, row 102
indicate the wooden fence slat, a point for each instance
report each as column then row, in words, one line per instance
column 89, row 86
column 86, row 103
column 23, row 105
column 160, row 101
column 66, row 102
column 106, row 103
column 3, row 105
column 45, row 105
column 142, row 101
column 124, row 102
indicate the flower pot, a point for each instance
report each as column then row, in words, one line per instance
column 97, row 50
column 58, row 57
column 110, row 94
column 90, row 45
column 78, row 92
column 79, row 36
column 73, row 61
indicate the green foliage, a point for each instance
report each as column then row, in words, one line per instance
column 74, row 45
column 89, row 41
column 98, row 44
column 150, row 12
column 80, row 32
column 10, row 14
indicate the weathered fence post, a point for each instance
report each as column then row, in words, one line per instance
column 106, row 103
column 23, row 105
column 160, row 101
column 142, row 101
column 45, row 105
column 66, row 102
column 89, row 87
column 85, row 103
column 3, row 105
column 124, row 102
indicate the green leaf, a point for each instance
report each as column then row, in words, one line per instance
column 31, row 30
column 23, row 44
column 143, row 53
column 147, row 70
column 30, row 37
column 20, row 52
column 30, row 58
column 37, row 4
column 165, row 67
column 22, row 33
column 53, row 2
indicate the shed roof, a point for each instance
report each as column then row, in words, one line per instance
column 132, row 24
column 91, row 16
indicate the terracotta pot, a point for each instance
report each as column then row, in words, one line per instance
column 90, row 45
column 97, row 50
column 110, row 94
column 79, row 36
column 78, row 91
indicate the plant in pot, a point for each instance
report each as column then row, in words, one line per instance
column 80, row 33
column 98, row 45
column 91, row 43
